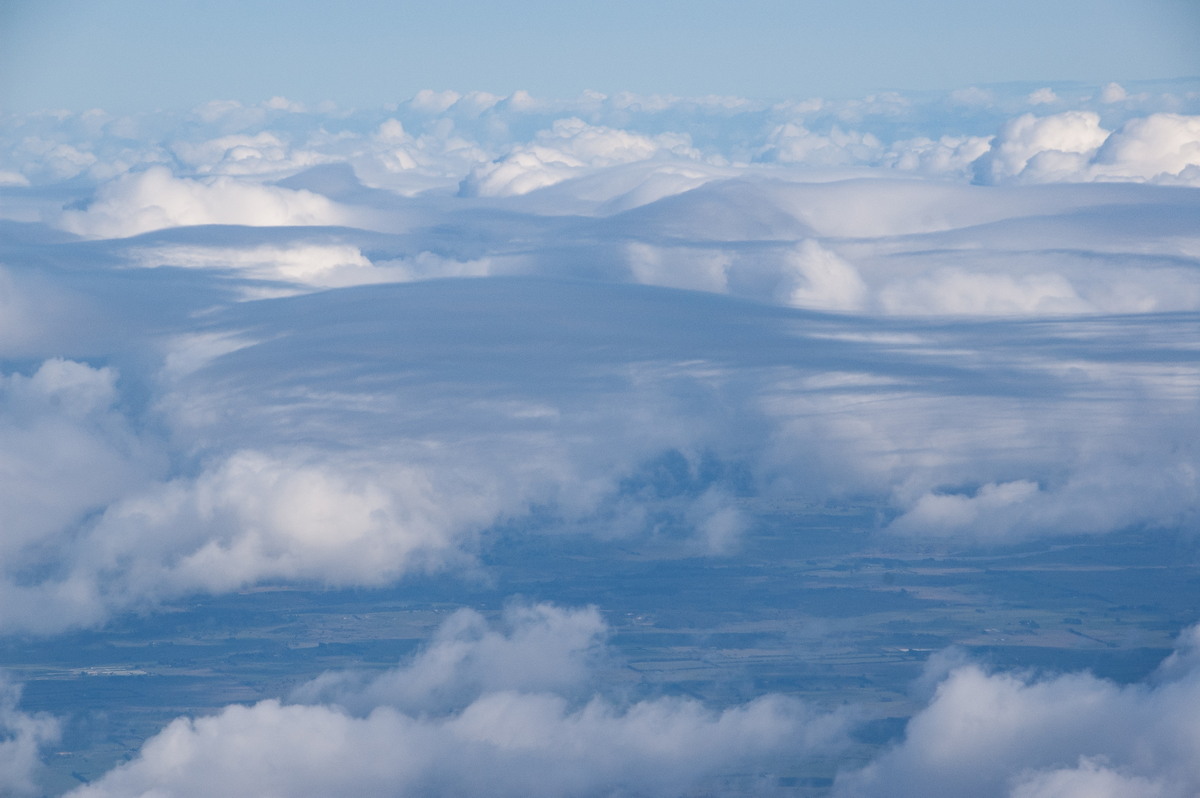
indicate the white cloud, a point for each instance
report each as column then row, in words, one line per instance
column 794, row 143
column 255, row 517
column 1113, row 93
column 480, row 711
column 66, row 452
column 1002, row 734
column 536, row 648
column 241, row 154
column 1043, row 96
column 824, row 281
column 951, row 156
column 568, row 148
column 1158, row 146
column 1042, row 149
column 22, row 738
column 503, row 744
column 1072, row 147
column 154, row 199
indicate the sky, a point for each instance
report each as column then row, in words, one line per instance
column 129, row 55
column 812, row 409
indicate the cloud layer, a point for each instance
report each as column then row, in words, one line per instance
column 480, row 710
column 269, row 345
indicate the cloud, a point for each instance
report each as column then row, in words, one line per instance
column 1072, row 147
column 793, row 143
column 1113, row 93
column 154, row 199
column 296, row 463
column 1018, row 735
column 1042, row 149
column 240, row 154
column 479, row 711
column 533, row 648
column 1156, row 147
column 312, row 265
column 951, row 291
column 1043, row 96
column 951, row 156
column 67, row 451
column 22, row 737
column 565, row 150
column 824, row 281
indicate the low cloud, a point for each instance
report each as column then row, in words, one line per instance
column 1021, row 736
column 155, row 199
column 497, row 711
column 1073, row 147
column 567, row 149
column 23, row 738
column 67, row 452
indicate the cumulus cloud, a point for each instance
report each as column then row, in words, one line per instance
column 1042, row 149
column 806, row 302
column 1043, row 96
column 1021, row 736
column 241, row 154
column 155, row 199
column 67, row 451
column 479, row 711
column 566, row 149
column 950, row 156
column 533, row 648
column 22, row 737
column 1156, row 147
column 824, row 280
column 1072, row 147
column 794, row 143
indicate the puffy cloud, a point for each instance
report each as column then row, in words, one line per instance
column 1043, row 96
column 1155, row 147
column 824, row 280
column 793, row 143
column 504, row 744
column 1042, row 149
column 948, row 155
column 1113, row 93
column 22, row 738
column 480, row 711
column 67, row 451
column 1072, row 147
column 534, row 648
column 255, row 517
column 1017, row 735
column 240, row 154
column 154, row 199
column 568, row 148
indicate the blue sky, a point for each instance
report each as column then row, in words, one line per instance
column 137, row 55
